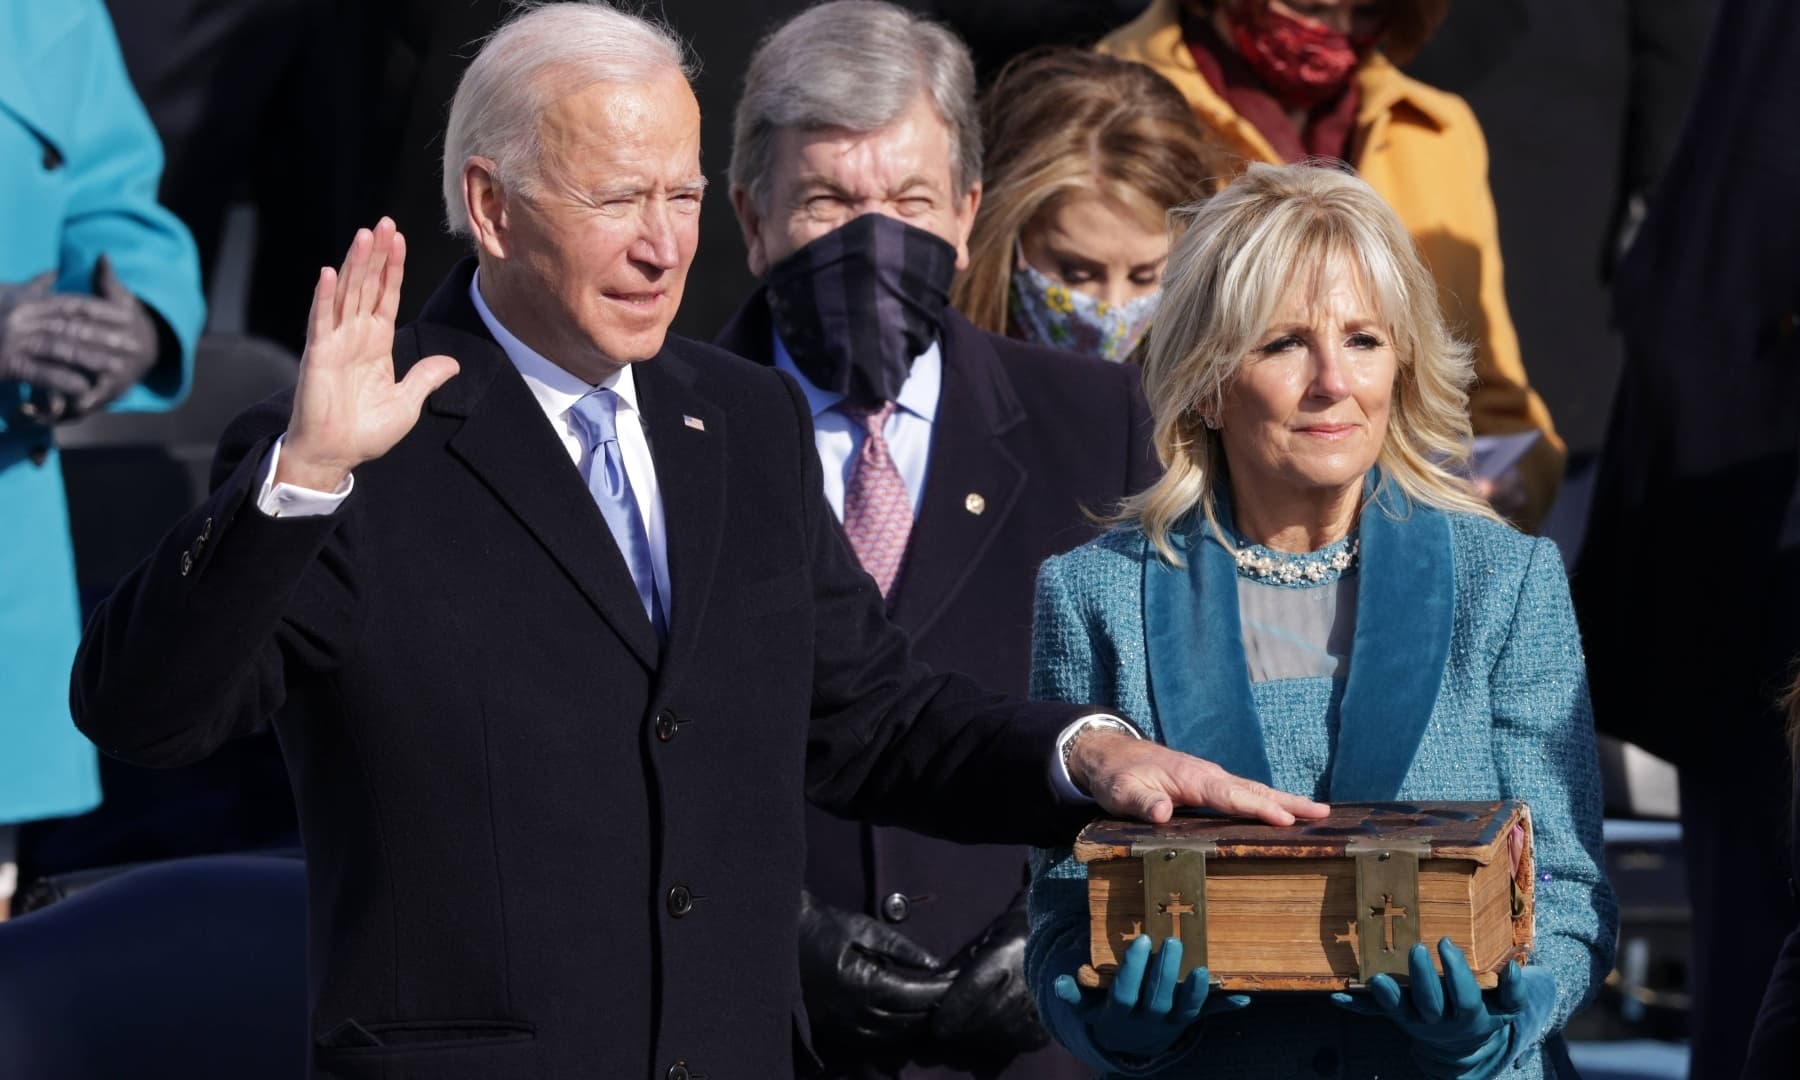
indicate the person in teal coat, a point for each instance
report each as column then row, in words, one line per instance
column 100, row 306
column 1313, row 597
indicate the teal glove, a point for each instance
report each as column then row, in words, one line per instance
column 1455, row 1035
column 1147, row 1008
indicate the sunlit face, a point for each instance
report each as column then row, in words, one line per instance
column 1097, row 246
column 589, row 269
column 820, row 180
column 1308, row 411
column 1352, row 18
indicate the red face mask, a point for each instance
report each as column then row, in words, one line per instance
column 1301, row 62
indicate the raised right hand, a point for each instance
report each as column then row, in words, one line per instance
column 348, row 407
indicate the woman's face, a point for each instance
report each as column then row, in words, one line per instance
column 1096, row 246
column 1308, row 411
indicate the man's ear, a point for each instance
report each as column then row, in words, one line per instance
column 965, row 223
column 750, row 222
column 485, row 200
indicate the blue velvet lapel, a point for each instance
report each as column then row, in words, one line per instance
column 1199, row 678
column 1405, row 600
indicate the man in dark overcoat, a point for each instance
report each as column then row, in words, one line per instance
column 555, row 628
column 1688, row 586
column 856, row 173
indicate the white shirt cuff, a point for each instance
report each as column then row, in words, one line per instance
column 292, row 500
column 1059, row 768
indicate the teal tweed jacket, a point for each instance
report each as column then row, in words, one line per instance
column 1465, row 681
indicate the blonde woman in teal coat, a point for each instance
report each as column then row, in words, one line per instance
column 1313, row 597
column 79, row 166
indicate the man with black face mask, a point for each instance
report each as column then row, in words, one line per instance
column 956, row 460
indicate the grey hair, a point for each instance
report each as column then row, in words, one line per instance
column 855, row 65
column 541, row 54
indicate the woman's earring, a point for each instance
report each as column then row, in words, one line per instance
column 1211, row 424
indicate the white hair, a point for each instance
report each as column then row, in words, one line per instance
column 855, row 65
column 542, row 54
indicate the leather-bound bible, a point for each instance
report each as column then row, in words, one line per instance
column 1319, row 905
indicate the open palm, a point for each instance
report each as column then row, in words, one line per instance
column 348, row 406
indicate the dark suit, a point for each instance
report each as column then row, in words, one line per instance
column 1689, row 646
column 537, row 845
column 1580, row 104
column 1038, row 434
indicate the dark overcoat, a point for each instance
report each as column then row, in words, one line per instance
column 538, row 845
column 1688, row 585
column 1026, row 441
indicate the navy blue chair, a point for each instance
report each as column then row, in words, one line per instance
column 193, row 968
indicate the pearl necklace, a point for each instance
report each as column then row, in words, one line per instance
column 1290, row 569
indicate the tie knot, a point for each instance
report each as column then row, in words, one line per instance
column 874, row 420
column 597, row 413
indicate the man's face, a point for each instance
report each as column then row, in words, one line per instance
column 819, row 180
column 589, row 269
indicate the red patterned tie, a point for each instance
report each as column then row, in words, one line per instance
column 877, row 509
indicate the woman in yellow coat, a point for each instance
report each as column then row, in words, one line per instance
column 1278, row 80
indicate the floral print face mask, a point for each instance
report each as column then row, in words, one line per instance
column 1051, row 313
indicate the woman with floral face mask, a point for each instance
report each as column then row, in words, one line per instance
column 1283, row 80
column 1085, row 156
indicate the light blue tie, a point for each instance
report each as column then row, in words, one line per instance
column 611, row 487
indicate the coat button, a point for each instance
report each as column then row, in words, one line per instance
column 895, row 907
column 1325, row 1062
column 666, row 725
column 187, row 562
column 678, row 1071
column 680, row 901
column 206, row 529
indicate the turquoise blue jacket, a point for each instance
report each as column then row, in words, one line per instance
column 79, row 165
column 1465, row 682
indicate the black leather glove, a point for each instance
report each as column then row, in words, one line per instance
column 869, row 989
column 988, row 1017
column 79, row 352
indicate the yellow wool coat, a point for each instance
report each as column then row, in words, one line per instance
column 1423, row 151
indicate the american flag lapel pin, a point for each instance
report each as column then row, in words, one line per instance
column 694, row 422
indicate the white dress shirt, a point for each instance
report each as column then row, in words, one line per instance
column 556, row 392
column 908, row 429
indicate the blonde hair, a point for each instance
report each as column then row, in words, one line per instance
column 1059, row 122
column 1228, row 273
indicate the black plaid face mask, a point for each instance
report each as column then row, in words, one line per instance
column 856, row 305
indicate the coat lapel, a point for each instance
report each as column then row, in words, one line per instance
column 687, row 436
column 505, row 441
column 972, row 484
column 1199, row 677
column 1200, row 681
column 1405, row 605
